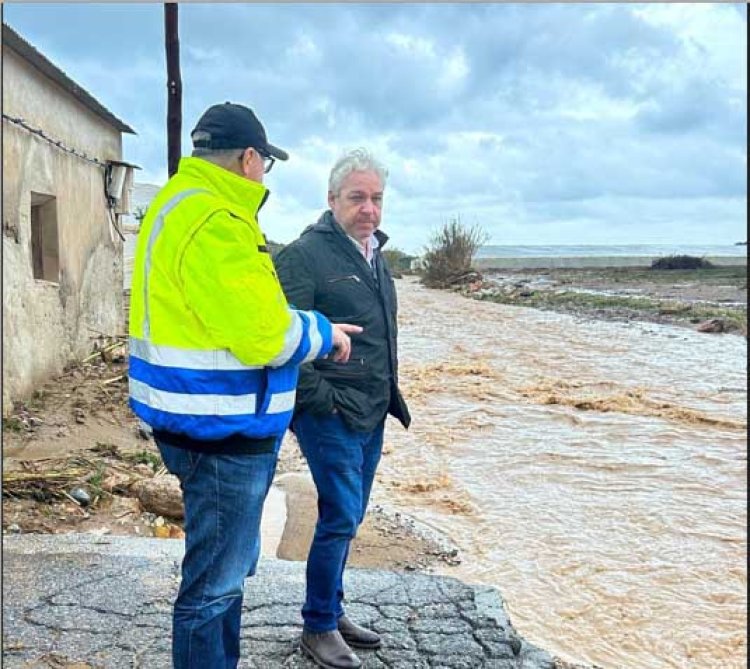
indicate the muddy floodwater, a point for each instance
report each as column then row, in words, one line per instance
column 594, row 472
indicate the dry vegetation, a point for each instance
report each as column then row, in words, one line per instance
column 447, row 260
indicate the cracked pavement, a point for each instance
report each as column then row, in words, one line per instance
column 82, row 601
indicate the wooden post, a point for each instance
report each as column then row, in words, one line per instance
column 174, row 87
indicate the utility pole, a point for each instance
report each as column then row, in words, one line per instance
column 174, row 87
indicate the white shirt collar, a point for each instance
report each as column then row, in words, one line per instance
column 366, row 248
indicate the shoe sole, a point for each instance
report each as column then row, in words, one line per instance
column 363, row 646
column 308, row 651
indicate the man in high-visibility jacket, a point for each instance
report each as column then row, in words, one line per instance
column 214, row 354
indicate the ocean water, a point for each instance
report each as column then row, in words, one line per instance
column 623, row 250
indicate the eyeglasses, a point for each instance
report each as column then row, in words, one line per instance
column 268, row 161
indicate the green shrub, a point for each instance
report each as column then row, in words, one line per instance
column 447, row 259
column 145, row 457
column 398, row 261
column 13, row 424
column 680, row 262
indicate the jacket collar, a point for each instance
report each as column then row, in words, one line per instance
column 241, row 192
column 328, row 224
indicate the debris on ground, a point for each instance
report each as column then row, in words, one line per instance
column 88, row 491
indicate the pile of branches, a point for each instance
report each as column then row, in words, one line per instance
column 103, row 473
column 108, row 348
column 42, row 485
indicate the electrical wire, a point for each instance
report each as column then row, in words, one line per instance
column 56, row 143
column 78, row 154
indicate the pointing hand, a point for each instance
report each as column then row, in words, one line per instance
column 342, row 345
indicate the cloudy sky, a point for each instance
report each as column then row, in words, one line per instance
column 541, row 123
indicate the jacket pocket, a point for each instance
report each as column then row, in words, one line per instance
column 353, row 368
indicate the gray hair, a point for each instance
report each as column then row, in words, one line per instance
column 357, row 160
column 226, row 158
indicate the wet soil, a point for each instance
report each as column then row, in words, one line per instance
column 687, row 298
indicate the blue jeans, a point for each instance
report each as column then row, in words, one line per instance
column 223, row 497
column 343, row 464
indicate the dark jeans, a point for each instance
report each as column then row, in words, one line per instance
column 343, row 464
column 223, row 496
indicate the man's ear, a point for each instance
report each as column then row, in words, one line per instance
column 331, row 198
column 245, row 160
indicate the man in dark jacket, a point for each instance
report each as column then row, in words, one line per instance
column 337, row 268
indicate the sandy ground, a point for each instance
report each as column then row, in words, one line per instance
column 388, row 538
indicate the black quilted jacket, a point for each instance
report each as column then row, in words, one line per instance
column 323, row 270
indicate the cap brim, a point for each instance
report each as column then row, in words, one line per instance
column 276, row 152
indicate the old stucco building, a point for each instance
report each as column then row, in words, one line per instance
column 62, row 251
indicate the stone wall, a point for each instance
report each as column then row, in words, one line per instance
column 48, row 323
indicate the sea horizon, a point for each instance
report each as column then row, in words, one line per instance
column 609, row 250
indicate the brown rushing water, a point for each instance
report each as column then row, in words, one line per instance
column 594, row 472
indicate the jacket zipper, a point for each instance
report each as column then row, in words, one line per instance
column 353, row 277
column 352, row 362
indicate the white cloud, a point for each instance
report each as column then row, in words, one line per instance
column 542, row 122
column 412, row 46
column 711, row 35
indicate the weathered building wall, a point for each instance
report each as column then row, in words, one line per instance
column 47, row 324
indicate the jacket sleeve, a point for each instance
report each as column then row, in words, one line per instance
column 233, row 290
column 298, row 280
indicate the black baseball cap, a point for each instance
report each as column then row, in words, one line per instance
column 232, row 126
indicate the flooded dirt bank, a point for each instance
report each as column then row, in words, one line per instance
column 688, row 298
column 99, row 491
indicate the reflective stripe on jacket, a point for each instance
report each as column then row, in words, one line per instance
column 214, row 347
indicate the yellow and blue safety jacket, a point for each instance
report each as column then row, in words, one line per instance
column 214, row 346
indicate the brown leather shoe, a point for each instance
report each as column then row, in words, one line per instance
column 329, row 650
column 356, row 635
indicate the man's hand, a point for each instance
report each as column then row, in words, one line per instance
column 342, row 345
